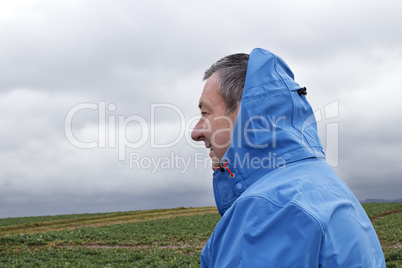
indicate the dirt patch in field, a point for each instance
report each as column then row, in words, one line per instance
column 396, row 246
column 376, row 217
column 199, row 244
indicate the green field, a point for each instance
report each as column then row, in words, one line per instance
column 153, row 238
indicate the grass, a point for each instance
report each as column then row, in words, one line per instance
column 83, row 257
column 373, row 209
column 190, row 229
column 388, row 227
column 33, row 225
column 153, row 238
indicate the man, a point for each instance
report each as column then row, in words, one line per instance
column 282, row 205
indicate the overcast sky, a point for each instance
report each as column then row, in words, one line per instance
column 97, row 98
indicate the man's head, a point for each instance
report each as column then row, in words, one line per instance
column 219, row 104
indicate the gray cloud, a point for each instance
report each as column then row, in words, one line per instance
column 56, row 55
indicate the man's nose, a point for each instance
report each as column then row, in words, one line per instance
column 198, row 132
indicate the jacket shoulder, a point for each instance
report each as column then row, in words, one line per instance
column 254, row 231
column 312, row 190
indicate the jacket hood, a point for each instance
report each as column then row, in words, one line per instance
column 275, row 126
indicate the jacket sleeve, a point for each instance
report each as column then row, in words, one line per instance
column 256, row 233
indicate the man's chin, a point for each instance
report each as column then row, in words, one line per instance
column 215, row 162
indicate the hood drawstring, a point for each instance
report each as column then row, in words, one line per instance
column 221, row 167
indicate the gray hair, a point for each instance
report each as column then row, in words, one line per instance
column 231, row 74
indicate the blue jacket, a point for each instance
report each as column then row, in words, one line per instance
column 285, row 206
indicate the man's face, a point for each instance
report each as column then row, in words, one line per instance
column 215, row 126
